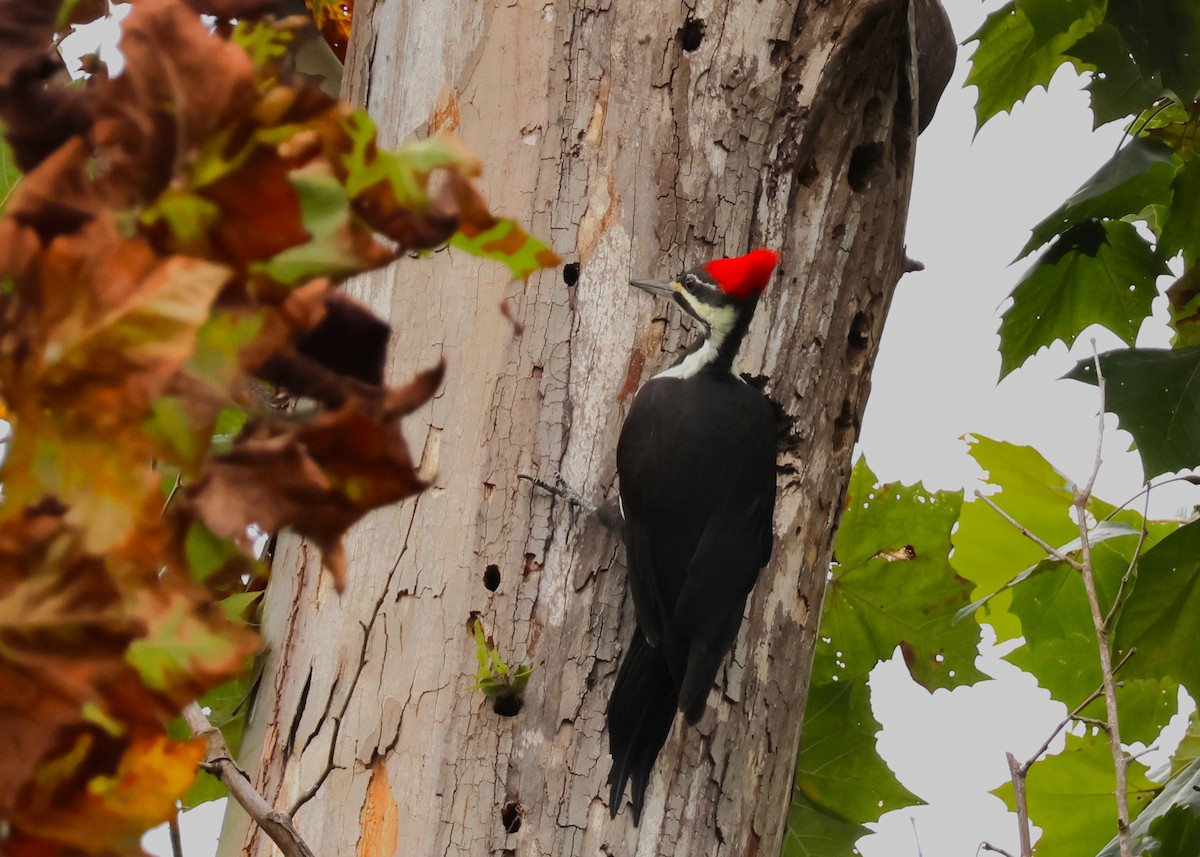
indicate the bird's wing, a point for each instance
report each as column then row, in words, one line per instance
column 698, row 527
column 734, row 548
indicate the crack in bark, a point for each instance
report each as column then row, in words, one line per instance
column 289, row 745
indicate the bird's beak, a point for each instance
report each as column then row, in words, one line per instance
column 656, row 287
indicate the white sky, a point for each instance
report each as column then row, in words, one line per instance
column 973, row 204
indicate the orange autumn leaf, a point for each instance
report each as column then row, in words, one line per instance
column 113, row 810
column 112, row 353
column 333, row 18
column 187, row 646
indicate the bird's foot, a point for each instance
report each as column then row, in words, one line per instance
column 608, row 512
column 561, row 488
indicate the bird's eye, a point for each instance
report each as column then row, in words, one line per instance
column 689, row 284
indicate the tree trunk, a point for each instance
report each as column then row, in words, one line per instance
column 639, row 138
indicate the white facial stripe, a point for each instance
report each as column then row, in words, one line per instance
column 691, row 364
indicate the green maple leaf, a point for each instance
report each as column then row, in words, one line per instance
column 1013, row 55
column 893, row 585
column 1155, row 394
column 1097, row 272
column 1070, row 795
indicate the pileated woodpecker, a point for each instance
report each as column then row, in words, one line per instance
column 696, row 461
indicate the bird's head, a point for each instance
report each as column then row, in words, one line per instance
column 721, row 292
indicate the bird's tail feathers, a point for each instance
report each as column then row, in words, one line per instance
column 640, row 714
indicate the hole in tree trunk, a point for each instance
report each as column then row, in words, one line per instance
column 491, row 577
column 510, row 816
column 508, row 704
column 863, row 163
column 860, row 334
column 691, row 34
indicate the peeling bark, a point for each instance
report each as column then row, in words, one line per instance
column 787, row 125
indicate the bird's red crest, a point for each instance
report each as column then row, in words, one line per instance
column 744, row 276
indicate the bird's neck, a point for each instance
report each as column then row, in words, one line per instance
column 717, row 350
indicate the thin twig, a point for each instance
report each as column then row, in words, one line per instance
column 173, row 830
column 1017, row 775
column 1075, row 712
column 1033, row 537
column 911, row 819
column 1129, row 132
column 1066, row 721
column 1086, row 492
column 1120, row 764
column 987, row 846
column 171, row 495
column 1191, row 479
column 219, row 762
column 1134, row 756
column 1128, row 575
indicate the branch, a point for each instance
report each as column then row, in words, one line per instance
column 987, row 846
column 1128, row 575
column 1037, row 540
column 1190, row 478
column 1017, row 775
column 219, row 762
column 1075, row 712
column 173, row 830
column 1100, row 625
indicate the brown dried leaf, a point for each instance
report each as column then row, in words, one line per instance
column 26, row 30
column 333, row 18
column 19, row 246
column 56, row 197
column 339, row 356
column 39, row 111
column 260, row 212
column 316, row 479
column 110, row 323
column 179, row 87
column 189, row 645
column 63, row 636
column 105, row 478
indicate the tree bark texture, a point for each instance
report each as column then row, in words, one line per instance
column 639, row 138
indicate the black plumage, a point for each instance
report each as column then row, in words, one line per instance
column 696, row 460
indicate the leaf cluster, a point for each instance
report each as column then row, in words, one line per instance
column 501, row 684
column 891, row 589
column 1136, row 52
column 170, row 246
column 1145, row 573
column 917, row 573
column 1106, row 246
